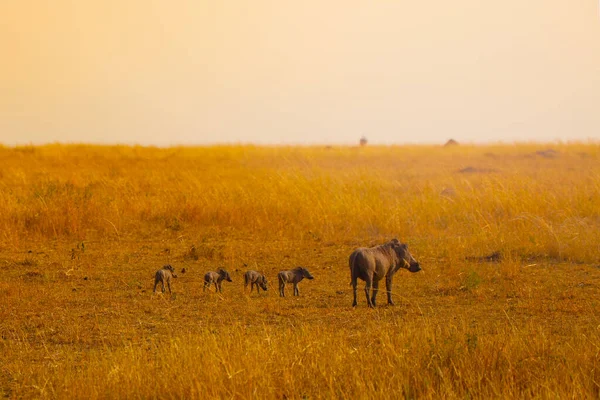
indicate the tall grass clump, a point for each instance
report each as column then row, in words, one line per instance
column 505, row 201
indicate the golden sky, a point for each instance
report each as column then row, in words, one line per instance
column 275, row 71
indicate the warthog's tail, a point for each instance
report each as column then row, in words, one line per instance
column 353, row 272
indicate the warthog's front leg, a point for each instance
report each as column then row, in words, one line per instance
column 354, row 284
column 388, row 287
column 169, row 285
column 296, row 291
column 375, row 291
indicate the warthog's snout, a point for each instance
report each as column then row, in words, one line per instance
column 229, row 280
column 414, row 267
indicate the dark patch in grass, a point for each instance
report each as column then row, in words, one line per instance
column 549, row 153
column 191, row 254
column 31, row 275
column 447, row 291
column 28, row 262
column 471, row 281
column 473, row 170
column 493, row 257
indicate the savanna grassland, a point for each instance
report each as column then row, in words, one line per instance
column 507, row 305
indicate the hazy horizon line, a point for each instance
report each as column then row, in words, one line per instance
column 588, row 141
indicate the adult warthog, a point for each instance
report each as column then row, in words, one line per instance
column 216, row 277
column 255, row 278
column 292, row 276
column 164, row 275
column 372, row 264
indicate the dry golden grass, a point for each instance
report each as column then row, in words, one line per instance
column 83, row 228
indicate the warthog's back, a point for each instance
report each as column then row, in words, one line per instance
column 282, row 276
column 378, row 259
column 162, row 275
column 252, row 276
column 364, row 256
column 291, row 276
column 211, row 277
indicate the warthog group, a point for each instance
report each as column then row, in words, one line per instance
column 371, row 264
column 251, row 277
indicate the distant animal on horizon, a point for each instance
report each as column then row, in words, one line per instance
column 292, row 276
column 217, row 278
column 164, row 275
column 372, row 264
column 255, row 278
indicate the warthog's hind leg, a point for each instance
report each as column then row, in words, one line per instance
column 375, row 291
column 368, row 283
column 354, row 284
